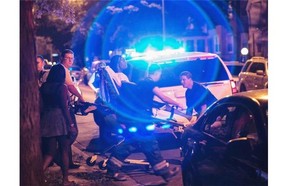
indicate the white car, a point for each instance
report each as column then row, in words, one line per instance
column 206, row 68
column 254, row 74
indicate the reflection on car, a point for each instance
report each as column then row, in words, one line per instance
column 229, row 143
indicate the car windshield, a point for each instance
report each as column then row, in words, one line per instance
column 206, row 70
column 234, row 69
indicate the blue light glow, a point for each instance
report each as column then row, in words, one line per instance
column 150, row 127
column 120, row 131
column 166, row 126
column 132, row 129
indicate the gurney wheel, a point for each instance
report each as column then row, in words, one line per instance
column 103, row 164
column 90, row 161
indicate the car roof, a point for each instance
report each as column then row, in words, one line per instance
column 258, row 59
column 259, row 95
column 174, row 56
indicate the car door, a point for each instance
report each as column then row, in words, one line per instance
column 228, row 154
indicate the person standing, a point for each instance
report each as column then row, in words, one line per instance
column 145, row 141
column 198, row 97
column 56, row 121
column 67, row 59
column 43, row 73
column 107, row 121
column 118, row 64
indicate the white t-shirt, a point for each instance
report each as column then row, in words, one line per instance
column 117, row 77
column 68, row 79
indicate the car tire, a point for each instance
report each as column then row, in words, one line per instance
column 190, row 174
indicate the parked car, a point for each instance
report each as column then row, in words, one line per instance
column 206, row 68
column 78, row 73
column 254, row 74
column 228, row 145
column 234, row 68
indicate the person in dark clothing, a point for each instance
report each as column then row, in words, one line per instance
column 55, row 119
column 67, row 58
column 43, row 73
column 145, row 141
column 107, row 121
column 198, row 97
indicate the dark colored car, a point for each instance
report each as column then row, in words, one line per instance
column 228, row 145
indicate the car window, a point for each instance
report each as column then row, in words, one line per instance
column 257, row 66
column 246, row 66
column 206, row 70
column 228, row 122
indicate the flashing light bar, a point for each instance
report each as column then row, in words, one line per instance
column 152, row 54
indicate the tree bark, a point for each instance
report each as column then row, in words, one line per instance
column 30, row 152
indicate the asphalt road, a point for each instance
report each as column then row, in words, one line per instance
column 87, row 144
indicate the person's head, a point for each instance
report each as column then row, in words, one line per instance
column 118, row 63
column 56, row 74
column 186, row 79
column 242, row 120
column 67, row 58
column 154, row 72
column 40, row 62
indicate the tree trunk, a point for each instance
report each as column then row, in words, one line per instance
column 30, row 152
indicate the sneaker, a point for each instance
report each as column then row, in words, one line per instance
column 171, row 173
column 74, row 166
column 118, row 177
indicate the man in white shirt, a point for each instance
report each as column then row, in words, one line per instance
column 67, row 59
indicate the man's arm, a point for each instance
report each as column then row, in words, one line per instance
column 72, row 89
column 203, row 109
column 166, row 99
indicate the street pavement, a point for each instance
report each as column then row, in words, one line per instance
column 87, row 144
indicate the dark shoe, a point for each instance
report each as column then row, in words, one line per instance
column 170, row 174
column 118, row 177
column 74, row 166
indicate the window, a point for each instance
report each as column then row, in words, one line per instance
column 201, row 45
column 257, row 66
column 247, row 64
column 230, row 43
column 228, row 122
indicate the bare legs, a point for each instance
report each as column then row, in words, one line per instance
column 49, row 150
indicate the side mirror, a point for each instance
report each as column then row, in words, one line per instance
column 239, row 148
